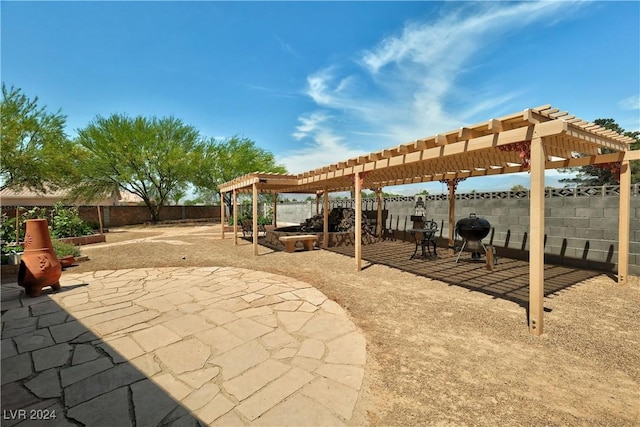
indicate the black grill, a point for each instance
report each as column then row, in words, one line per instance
column 473, row 229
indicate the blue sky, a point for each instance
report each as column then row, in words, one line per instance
column 320, row 82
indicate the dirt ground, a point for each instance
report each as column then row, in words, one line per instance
column 439, row 354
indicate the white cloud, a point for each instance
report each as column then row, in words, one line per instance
column 320, row 145
column 630, row 103
column 408, row 85
column 407, row 80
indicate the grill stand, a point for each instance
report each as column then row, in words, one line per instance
column 493, row 250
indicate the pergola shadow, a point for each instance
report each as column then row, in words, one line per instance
column 509, row 279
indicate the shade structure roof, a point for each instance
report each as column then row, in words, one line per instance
column 496, row 146
column 535, row 139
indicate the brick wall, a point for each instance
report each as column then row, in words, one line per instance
column 117, row 216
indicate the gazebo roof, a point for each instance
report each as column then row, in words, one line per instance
column 496, row 146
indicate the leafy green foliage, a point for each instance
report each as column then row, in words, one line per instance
column 225, row 160
column 33, row 143
column 66, row 222
column 35, row 212
column 7, row 229
column 10, row 249
column 63, row 222
column 591, row 175
column 262, row 220
column 63, row 249
column 150, row 157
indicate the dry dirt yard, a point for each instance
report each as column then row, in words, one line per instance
column 439, row 354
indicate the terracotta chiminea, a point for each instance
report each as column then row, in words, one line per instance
column 39, row 266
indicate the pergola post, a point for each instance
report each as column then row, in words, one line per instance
column 275, row 209
column 317, row 203
column 325, row 219
column 379, row 220
column 255, row 219
column 99, row 220
column 235, row 217
column 452, row 214
column 358, row 225
column 536, row 247
column 624, row 220
column 222, row 213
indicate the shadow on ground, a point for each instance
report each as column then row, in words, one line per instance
column 55, row 371
column 509, row 279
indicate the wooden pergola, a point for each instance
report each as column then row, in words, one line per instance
column 533, row 140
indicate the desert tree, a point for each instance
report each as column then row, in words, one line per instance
column 224, row 160
column 153, row 158
column 34, row 145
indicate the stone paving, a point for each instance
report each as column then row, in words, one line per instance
column 178, row 346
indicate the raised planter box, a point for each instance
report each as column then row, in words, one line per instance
column 84, row 240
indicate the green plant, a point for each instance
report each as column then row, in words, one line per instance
column 65, row 249
column 265, row 220
column 7, row 229
column 34, row 213
column 66, row 222
column 262, row 220
column 8, row 249
column 241, row 217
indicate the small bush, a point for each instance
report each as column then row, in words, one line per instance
column 67, row 222
column 8, row 249
column 65, row 249
column 7, row 229
column 262, row 220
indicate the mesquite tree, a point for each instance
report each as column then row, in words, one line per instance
column 150, row 157
column 224, row 160
column 33, row 143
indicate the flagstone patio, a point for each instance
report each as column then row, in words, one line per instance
column 179, row 346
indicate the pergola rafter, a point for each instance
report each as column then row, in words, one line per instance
column 532, row 140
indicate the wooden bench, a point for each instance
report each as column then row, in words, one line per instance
column 308, row 241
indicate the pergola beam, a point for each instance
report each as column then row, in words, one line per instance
column 549, row 136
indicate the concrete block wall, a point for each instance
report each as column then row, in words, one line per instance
column 295, row 213
column 581, row 231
